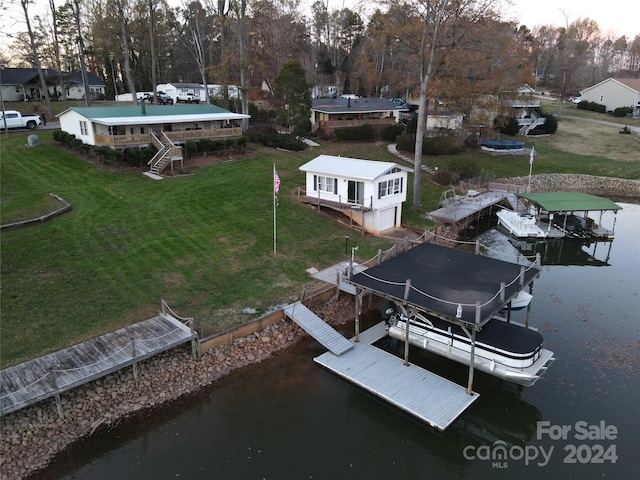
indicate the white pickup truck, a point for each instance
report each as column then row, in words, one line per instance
column 188, row 97
column 14, row 119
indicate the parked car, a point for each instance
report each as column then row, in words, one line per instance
column 163, row 99
column 14, row 119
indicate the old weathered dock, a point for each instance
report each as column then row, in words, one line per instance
column 465, row 209
column 50, row 375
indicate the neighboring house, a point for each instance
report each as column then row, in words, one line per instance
column 615, row 93
column 175, row 89
column 75, row 87
column 23, row 84
column 329, row 114
column 20, row 84
column 216, row 91
column 369, row 193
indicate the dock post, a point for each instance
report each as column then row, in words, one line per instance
column 407, row 289
column 526, row 322
column 473, row 349
column 357, row 319
column 54, row 384
column 477, row 246
column 135, row 364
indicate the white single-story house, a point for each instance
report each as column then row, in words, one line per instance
column 370, row 193
column 131, row 126
column 615, row 93
column 75, row 87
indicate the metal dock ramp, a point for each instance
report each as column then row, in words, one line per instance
column 425, row 395
column 318, row 329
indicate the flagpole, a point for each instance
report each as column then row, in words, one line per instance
column 530, row 166
column 274, row 209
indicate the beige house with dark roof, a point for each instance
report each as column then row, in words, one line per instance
column 615, row 93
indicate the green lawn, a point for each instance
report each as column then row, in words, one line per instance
column 203, row 242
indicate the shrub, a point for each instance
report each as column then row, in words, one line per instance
column 108, row 155
column 139, row 156
column 391, row 133
column 190, row 148
column 206, row 145
column 464, row 168
column 357, row 134
column 443, row 177
column 431, row 145
column 622, row 112
column 506, row 125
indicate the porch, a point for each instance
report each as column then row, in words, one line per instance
column 176, row 136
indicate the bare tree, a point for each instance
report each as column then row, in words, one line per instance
column 431, row 17
column 152, row 4
column 36, row 55
column 120, row 8
column 81, row 52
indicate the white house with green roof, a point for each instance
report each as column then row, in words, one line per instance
column 166, row 127
column 370, row 193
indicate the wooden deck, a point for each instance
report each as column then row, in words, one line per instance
column 337, row 275
column 424, row 395
column 465, row 208
column 30, row 382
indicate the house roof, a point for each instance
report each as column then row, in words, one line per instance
column 630, row 83
column 184, row 85
column 350, row 167
column 153, row 114
column 570, row 201
column 358, row 105
column 17, row 76
column 76, row 78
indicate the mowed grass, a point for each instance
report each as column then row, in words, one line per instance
column 203, row 242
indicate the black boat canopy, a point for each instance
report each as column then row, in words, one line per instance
column 447, row 283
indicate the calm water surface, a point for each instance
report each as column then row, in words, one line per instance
column 290, row 419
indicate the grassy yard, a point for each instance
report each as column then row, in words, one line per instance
column 204, row 242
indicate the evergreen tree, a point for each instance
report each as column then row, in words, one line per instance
column 293, row 92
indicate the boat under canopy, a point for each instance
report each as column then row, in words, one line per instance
column 434, row 285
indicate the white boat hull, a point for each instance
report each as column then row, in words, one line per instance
column 523, row 369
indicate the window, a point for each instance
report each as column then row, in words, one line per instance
column 325, row 184
column 83, row 128
column 390, row 187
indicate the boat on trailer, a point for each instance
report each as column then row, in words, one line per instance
column 520, row 225
column 502, row 349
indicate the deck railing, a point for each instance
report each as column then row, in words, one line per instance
column 176, row 136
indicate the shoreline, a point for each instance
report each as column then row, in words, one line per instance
column 32, row 438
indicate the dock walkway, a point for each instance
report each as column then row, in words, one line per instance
column 47, row 376
column 318, row 328
column 424, row 395
column 337, row 275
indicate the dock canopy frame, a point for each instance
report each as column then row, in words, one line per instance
column 554, row 202
column 451, row 284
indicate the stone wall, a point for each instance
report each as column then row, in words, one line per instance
column 33, row 436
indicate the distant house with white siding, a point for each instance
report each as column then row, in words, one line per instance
column 614, row 93
column 370, row 193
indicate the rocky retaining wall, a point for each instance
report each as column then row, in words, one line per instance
column 33, row 436
column 616, row 189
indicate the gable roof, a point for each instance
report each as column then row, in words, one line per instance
column 350, row 167
column 17, row 76
column 76, row 78
column 153, row 114
column 629, row 83
column 357, row 105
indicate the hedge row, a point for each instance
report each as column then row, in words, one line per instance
column 591, row 106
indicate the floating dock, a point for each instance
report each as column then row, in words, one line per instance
column 424, row 395
column 418, row 392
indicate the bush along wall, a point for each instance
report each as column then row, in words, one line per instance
column 355, row 134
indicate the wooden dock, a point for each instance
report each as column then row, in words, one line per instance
column 337, row 275
column 44, row 377
column 464, row 209
column 424, row 395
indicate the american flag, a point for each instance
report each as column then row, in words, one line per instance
column 276, row 181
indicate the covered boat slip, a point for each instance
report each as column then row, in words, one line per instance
column 447, row 283
column 549, row 204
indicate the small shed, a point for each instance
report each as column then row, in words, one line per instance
column 370, row 193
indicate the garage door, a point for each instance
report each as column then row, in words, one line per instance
column 387, row 219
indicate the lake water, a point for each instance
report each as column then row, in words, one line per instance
column 290, row 419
